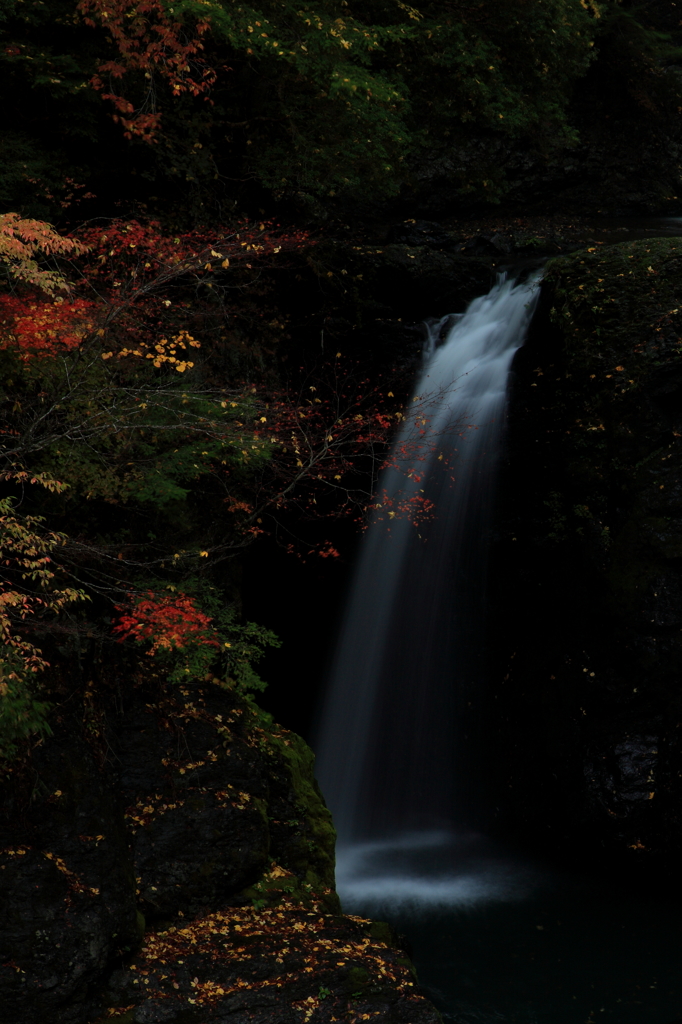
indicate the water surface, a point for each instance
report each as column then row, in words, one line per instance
column 497, row 939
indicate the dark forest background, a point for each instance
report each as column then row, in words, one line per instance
column 200, row 375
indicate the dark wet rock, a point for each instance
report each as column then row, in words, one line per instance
column 66, row 885
column 624, row 776
column 195, row 810
column 373, row 282
column 493, row 238
column 592, row 540
column 213, row 791
column 485, row 245
column 424, row 232
column 234, row 854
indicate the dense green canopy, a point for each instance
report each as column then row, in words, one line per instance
column 322, row 97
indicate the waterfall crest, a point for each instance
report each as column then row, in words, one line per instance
column 409, row 648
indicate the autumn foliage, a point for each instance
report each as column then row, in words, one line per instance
column 174, row 455
column 35, row 326
column 150, row 40
column 167, row 622
column 29, row 596
column 23, row 242
column 128, row 252
column 171, row 462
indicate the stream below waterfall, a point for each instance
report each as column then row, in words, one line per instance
column 499, row 940
column 495, row 938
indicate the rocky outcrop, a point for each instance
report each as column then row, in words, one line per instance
column 589, row 561
column 212, row 781
column 67, row 887
column 188, row 812
column 288, row 962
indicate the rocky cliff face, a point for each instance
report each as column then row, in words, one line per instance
column 581, row 716
column 587, row 701
column 189, row 814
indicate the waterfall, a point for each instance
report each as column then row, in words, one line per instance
column 409, row 652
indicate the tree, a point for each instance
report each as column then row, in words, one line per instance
column 28, row 597
column 169, row 464
column 22, row 241
column 315, row 95
column 224, row 103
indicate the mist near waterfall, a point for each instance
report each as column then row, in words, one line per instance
column 425, row 871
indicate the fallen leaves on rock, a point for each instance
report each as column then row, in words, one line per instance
column 319, row 966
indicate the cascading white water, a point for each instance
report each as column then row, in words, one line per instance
column 409, row 650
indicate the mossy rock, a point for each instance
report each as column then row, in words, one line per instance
column 619, row 302
column 618, row 314
column 313, row 853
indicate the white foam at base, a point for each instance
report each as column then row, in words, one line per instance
column 427, row 871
